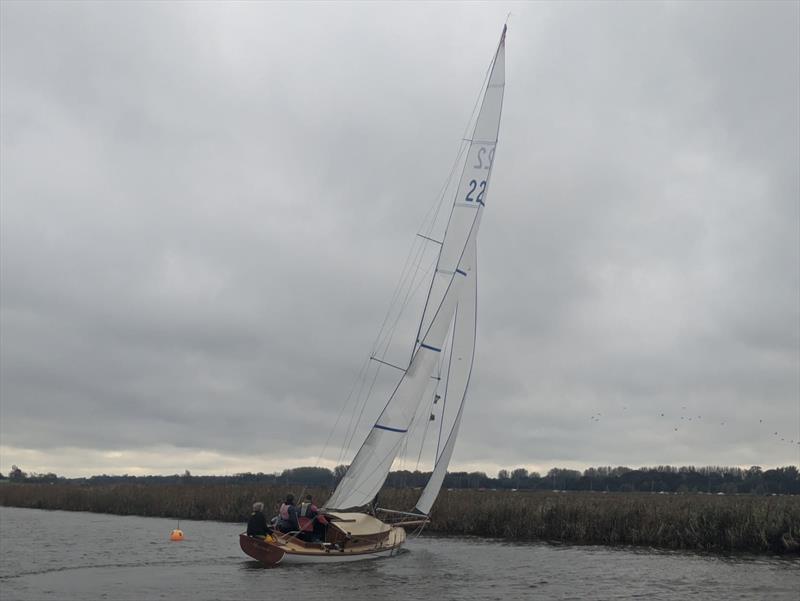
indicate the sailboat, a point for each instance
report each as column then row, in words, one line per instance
column 448, row 318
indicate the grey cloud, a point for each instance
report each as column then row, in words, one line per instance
column 205, row 208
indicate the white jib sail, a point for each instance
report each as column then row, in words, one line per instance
column 459, row 372
column 371, row 465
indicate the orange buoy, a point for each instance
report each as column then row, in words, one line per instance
column 176, row 535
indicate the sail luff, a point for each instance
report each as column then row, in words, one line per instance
column 463, row 350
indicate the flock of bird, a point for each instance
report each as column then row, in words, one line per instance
column 685, row 418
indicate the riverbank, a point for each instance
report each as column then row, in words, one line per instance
column 722, row 524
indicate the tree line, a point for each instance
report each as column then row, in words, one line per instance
column 663, row 478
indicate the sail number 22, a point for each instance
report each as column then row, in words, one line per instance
column 485, row 158
column 474, row 186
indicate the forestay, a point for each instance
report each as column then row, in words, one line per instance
column 451, row 280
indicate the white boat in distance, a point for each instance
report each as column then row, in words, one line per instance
column 449, row 314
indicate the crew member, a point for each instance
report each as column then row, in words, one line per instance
column 257, row 524
column 312, row 523
column 287, row 516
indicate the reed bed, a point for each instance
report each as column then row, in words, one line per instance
column 723, row 524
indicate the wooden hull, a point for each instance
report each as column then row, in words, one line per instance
column 284, row 550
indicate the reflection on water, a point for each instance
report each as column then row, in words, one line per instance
column 64, row 556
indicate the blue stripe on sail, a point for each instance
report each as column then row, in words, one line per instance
column 464, row 273
column 390, row 429
column 429, row 347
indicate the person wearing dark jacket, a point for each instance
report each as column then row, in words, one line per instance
column 257, row 524
column 287, row 516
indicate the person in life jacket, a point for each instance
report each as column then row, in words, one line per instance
column 257, row 524
column 287, row 516
column 312, row 522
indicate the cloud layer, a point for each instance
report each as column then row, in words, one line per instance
column 205, row 208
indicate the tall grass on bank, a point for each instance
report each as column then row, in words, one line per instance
column 699, row 522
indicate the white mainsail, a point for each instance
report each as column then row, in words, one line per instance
column 372, row 463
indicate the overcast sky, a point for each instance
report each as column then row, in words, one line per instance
column 205, row 209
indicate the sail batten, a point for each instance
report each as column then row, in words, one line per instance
column 452, row 286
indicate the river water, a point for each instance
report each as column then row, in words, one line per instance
column 86, row 556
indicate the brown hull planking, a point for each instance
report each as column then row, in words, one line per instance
column 260, row 550
column 270, row 554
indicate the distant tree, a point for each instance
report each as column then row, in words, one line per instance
column 16, row 473
column 502, row 475
column 311, row 476
column 478, row 480
column 339, row 471
column 519, row 473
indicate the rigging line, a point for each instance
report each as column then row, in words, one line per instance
column 425, row 433
column 448, row 347
column 420, row 417
column 341, row 412
column 475, row 220
column 442, row 194
column 410, row 289
column 361, row 413
column 476, row 116
column 401, row 379
column 413, row 271
column 452, row 277
column 407, row 271
column 402, row 454
column 409, row 293
column 391, row 452
column 446, row 386
column 389, row 336
column 358, row 383
column 407, row 266
column 387, row 363
column 404, row 274
column 462, row 148
column 469, row 375
column 435, row 218
column 461, row 151
column 438, row 205
column 430, row 239
column 349, row 436
column 374, row 379
column 473, row 114
column 354, row 423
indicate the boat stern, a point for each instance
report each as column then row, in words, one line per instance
column 261, row 550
